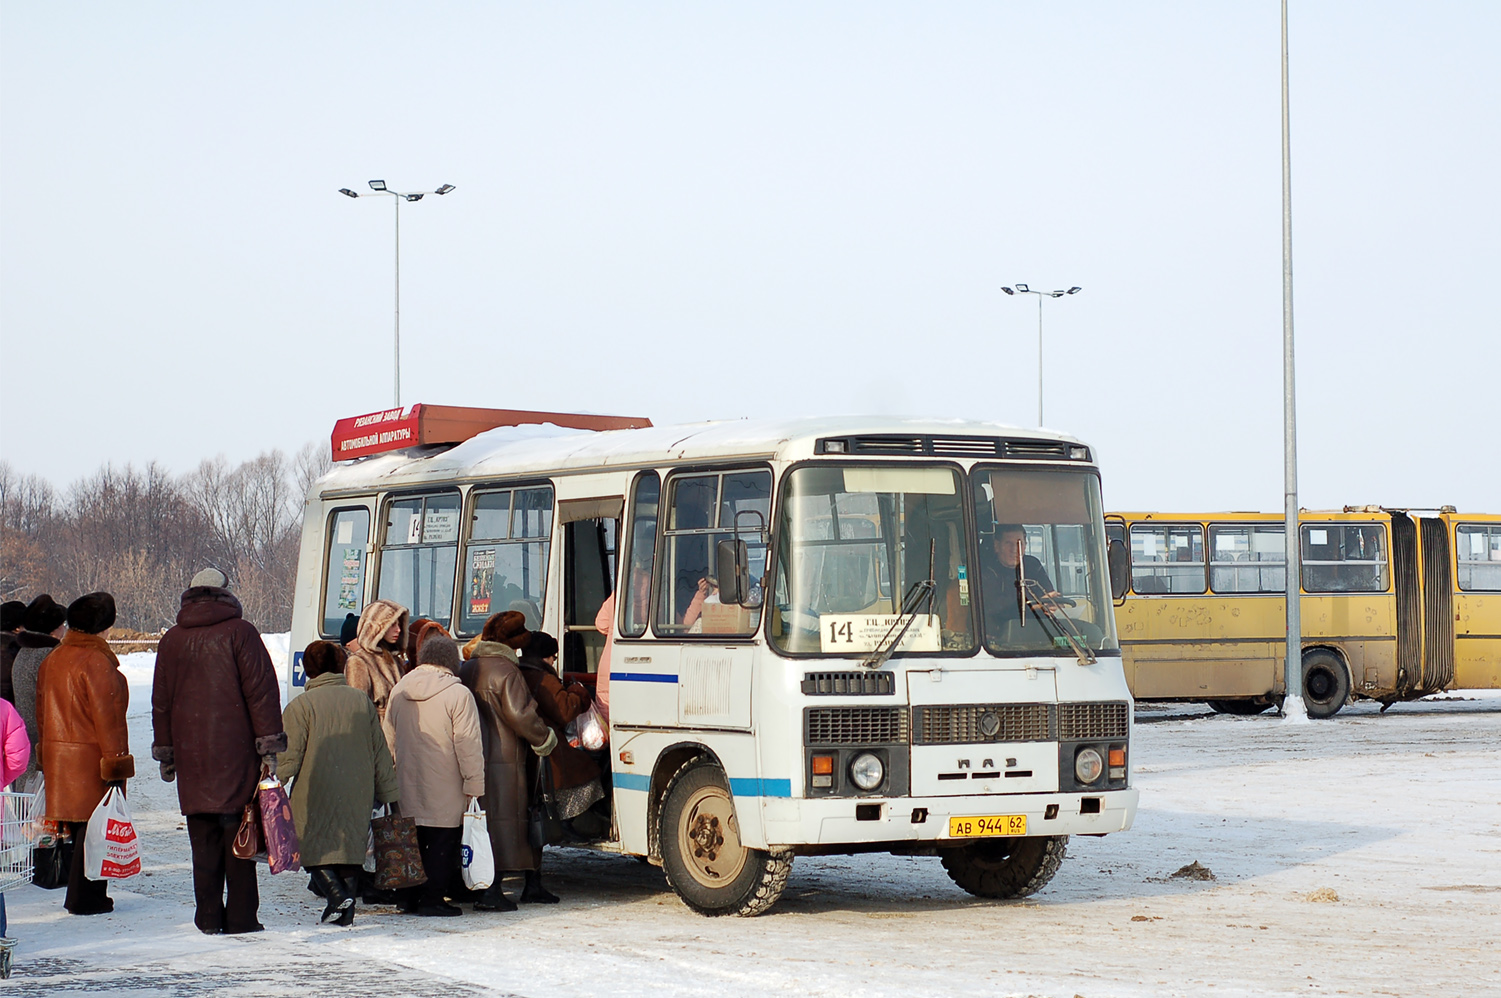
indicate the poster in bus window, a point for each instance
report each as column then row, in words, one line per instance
column 481, row 580
column 349, row 579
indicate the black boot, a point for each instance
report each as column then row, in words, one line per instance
column 495, row 899
column 533, row 892
column 340, row 904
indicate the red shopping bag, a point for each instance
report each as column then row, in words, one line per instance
column 282, row 849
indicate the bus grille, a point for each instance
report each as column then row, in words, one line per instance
column 856, row 725
column 1089, row 721
column 838, row 684
column 968, row 723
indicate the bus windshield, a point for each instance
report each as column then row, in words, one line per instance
column 857, row 544
column 1043, row 582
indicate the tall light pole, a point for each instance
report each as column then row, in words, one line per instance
column 1292, row 669
column 1023, row 289
column 378, row 187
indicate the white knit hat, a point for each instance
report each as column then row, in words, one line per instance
column 210, row 577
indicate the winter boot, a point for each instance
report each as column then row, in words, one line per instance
column 340, row 904
column 495, row 899
column 532, row 892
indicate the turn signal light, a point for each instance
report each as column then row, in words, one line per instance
column 823, row 765
column 1117, row 757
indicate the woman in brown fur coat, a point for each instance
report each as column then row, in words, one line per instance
column 375, row 655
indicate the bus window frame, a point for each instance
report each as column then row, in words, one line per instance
column 773, row 559
column 660, row 551
column 1202, row 526
column 1489, row 529
column 380, row 548
column 1250, row 525
column 328, row 547
column 466, row 539
column 626, row 545
column 1386, row 568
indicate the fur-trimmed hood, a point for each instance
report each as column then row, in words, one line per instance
column 31, row 639
column 375, row 620
column 493, row 649
column 205, row 606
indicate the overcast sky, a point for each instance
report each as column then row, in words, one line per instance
column 692, row 211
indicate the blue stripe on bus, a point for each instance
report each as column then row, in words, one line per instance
column 642, row 677
column 740, row 787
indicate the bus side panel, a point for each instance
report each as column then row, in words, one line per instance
column 1477, row 641
column 1363, row 627
column 1200, row 647
column 736, row 754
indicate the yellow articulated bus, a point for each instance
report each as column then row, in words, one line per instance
column 1396, row 604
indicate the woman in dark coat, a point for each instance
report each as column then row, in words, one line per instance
column 510, row 723
column 46, row 621
column 575, row 776
column 337, row 762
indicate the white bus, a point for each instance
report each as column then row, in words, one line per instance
column 869, row 673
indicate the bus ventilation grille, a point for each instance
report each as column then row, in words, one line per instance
column 856, row 726
column 966, row 724
column 1089, row 721
column 954, row 446
column 839, row 684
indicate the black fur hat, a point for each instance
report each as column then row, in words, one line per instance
column 542, row 645
column 323, row 656
column 12, row 615
column 92, row 614
column 45, row 615
column 351, row 628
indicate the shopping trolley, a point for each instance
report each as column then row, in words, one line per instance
column 17, row 830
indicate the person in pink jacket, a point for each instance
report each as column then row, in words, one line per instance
column 15, row 753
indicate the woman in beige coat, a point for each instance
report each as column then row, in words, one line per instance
column 434, row 727
column 375, row 654
column 512, row 725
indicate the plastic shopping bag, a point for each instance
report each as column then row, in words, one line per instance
column 591, row 729
column 369, row 866
column 282, row 849
column 478, row 860
column 110, row 847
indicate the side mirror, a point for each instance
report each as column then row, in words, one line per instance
column 1120, row 570
column 733, row 564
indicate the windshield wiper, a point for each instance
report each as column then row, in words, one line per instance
column 886, row 647
column 1042, row 605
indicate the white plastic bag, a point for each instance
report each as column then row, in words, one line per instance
column 479, row 861
column 369, row 866
column 591, row 729
column 111, row 850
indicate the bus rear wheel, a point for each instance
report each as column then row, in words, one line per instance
column 702, row 855
column 1326, row 683
column 1006, row 867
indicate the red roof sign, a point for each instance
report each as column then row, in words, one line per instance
column 394, row 429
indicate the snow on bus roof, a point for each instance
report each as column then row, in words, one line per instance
column 507, row 451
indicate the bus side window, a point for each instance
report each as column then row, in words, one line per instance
column 344, row 567
column 1478, row 550
column 1344, row 558
column 1246, row 558
column 420, row 555
column 635, row 588
column 1167, row 558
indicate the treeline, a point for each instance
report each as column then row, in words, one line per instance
column 142, row 533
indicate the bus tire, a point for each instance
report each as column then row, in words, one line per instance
column 699, row 838
column 1326, row 683
column 1244, row 708
column 1006, row 867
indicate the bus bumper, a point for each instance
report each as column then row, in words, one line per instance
column 792, row 822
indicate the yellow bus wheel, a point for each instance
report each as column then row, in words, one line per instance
column 1326, row 683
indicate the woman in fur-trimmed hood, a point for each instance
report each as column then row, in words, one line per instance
column 375, row 654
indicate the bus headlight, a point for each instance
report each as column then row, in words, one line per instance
column 866, row 771
column 1088, row 765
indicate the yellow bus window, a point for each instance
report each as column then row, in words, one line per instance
column 1344, row 558
column 1167, row 558
column 1247, row 558
column 1478, row 553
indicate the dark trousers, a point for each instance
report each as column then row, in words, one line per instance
column 85, row 896
column 440, row 858
column 212, row 837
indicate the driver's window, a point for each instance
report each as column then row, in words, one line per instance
column 702, row 510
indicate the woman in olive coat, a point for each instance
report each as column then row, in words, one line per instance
column 337, row 762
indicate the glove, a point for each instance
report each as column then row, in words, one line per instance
column 268, row 764
column 169, row 772
column 546, row 747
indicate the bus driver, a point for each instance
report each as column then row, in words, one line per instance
column 1000, row 578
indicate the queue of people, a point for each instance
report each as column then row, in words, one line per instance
column 395, row 716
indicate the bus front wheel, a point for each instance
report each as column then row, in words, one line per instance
column 702, row 855
column 1326, row 683
column 1006, row 867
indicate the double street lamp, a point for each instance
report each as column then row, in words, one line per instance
column 378, row 187
column 1022, row 289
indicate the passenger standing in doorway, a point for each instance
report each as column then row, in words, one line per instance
column 375, row 656
column 440, row 764
column 216, row 715
column 85, row 745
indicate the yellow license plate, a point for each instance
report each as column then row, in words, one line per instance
column 989, row 824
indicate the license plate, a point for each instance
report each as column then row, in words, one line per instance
column 989, row 824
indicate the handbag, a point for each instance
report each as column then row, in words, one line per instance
column 250, row 841
column 51, row 864
column 282, row 849
column 543, row 826
column 398, row 860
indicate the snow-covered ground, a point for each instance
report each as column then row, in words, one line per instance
column 1356, row 856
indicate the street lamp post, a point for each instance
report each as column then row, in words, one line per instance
column 1023, row 289
column 1293, row 707
column 378, row 187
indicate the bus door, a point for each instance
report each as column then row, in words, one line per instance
column 589, row 528
column 1477, row 604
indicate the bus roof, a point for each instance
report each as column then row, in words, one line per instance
column 509, row 451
